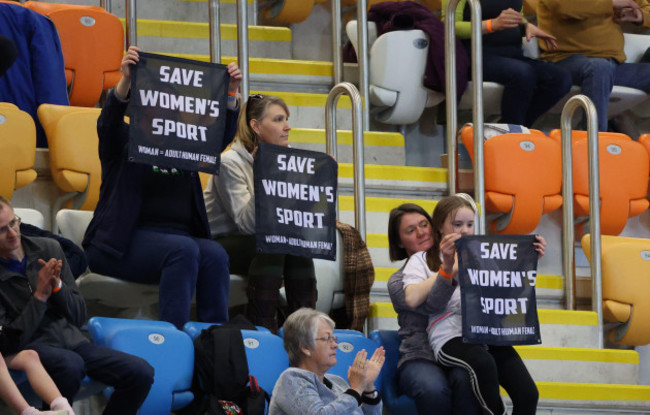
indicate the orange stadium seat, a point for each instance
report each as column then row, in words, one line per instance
column 74, row 160
column 626, row 283
column 93, row 45
column 287, row 11
column 624, row 169
column 17, row 149
column 523, row 179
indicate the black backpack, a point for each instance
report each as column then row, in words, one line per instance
column 221, row 371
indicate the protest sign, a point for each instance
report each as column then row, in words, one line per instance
column 497, row 275
column 178, row 112
column 295, row 199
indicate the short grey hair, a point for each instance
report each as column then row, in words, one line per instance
column 300, row 330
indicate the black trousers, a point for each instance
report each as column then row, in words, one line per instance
column 489, row 367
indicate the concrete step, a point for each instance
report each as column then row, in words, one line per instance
column 379, row 148
column 558, row 328
column 563, row 398
column 290, row 74
column 308, row 109
column 189, row 37
column 581, row 365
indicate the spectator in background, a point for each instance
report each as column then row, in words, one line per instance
column 39, row 300
column 531, row 87
column 590, row 45
column 449, row 391
column 38, row 74
column 8, row 53
column 230, row 203
column 150, row 224
column 305, row 388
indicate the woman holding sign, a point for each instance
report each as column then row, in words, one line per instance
column 418, row 375
column 150, row 224
column 432, row 273
column 230, row 203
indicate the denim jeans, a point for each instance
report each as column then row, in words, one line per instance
column 179, row 263
column 437, row 390
column 530, row 87
column 130, row 375
column 597, row 76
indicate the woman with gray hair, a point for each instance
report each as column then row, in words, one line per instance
column 304, row 389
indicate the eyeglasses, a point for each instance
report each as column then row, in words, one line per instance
column 251, row 99
column 13, row 224
column 329, row 339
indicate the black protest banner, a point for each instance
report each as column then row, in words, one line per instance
column 178, row 113
column 295, row 197
column 497, row 275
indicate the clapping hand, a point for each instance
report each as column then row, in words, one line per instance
column 373, row 367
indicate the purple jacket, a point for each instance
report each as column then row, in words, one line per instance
column 408, row 15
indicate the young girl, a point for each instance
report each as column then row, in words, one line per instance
column 488, row 366
column 28, row 361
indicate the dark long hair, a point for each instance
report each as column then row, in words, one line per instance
column 395, row 251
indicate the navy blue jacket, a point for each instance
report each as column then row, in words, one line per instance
column 120, row 195
column 38, row 74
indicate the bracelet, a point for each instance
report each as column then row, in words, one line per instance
column 58, row 287
column 232, row 94
column 488, row 26
column 444, row 274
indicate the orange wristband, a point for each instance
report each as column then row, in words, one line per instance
column 488, row 26
column 232, row 94
column 444, row 274
column 58, row 287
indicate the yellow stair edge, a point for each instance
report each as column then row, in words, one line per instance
column 198, row 30
column 370, row 138
column 578, row 354
column 591, row 391
column 380, row 204
column 554, row 282
column 546, row 316
column 270, row 66
column 305, row 99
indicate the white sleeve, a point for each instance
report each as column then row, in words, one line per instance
column 416, row 270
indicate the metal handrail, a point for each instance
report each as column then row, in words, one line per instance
column 215, row 31
column 357, row 147
column 568, row 249
column 362, row 53
column 131, row 24
column 242, row 46
column 337, row 58
column 106, row 5
column 477, row 93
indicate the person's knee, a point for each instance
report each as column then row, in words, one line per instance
column 599, row 69
column 426, row 381
column 140, row 374
column 214, row 251
column 27, row 359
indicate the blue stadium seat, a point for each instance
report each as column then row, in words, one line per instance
column 393, row 401
column 350, row 343
column 194, row 328
column 266, row 357
column 168, row 350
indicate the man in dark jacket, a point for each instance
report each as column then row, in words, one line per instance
column 39, row 298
